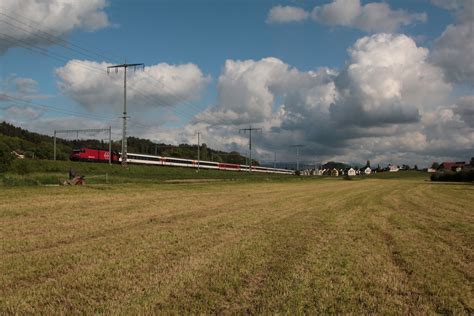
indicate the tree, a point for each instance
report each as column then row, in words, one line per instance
column 415, row 167
column 204, row 153
column 6, row 157
column 435, row 165
column 367, row 165
column 472, row 162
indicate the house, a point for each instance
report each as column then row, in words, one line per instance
column 334, row 172
column 431, row 170
column 351, row 172
column 319, row 172
column 453, row 166
column 368, row 171
column 392, row 168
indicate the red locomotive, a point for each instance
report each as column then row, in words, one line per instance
column 88, row 154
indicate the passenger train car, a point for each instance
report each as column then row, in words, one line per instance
column 87, row 154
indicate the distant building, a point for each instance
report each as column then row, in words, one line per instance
column 351, row 172
column 392, row 168
column 334, row 172
column 368, row 171
column 431, row 170
column 18, row 155
column 452, row 166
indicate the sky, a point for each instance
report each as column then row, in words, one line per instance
column 391, row 82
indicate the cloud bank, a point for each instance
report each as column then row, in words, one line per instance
column 389, row 103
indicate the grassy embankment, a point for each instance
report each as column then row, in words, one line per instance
column 331, row 246
column 44, row 172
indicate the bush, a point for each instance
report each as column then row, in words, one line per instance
column 462, row 176
column 22, row 167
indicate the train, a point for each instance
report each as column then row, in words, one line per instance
column 93, row 155
column 99, row 155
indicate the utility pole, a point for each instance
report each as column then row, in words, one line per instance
column 199, row 157
column 297, row 155
column 245, row 130
column 124, row 131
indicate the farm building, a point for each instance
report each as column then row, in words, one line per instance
column 334, row 172
column 453, row 166
column 368, row 171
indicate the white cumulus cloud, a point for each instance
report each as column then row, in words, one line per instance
column 88, row 83
column 387, row 80
column 285, row 14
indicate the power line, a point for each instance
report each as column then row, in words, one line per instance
column 52, row 108
column 199, row 145
column 166, row 98
column 171, row 97
column 245, row 130
column 80, row 63
column 297, row 155
column 62, row 58
column 125, row 66
column 52, row 39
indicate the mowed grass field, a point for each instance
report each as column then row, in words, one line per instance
column 324, row 246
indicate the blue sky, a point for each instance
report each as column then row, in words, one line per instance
column 208, row 33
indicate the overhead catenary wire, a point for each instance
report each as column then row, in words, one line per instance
column 80, row 63
column 61, row 58
column 54, row 109
column 169, row 97
column 166, row 100
column 52, row 39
